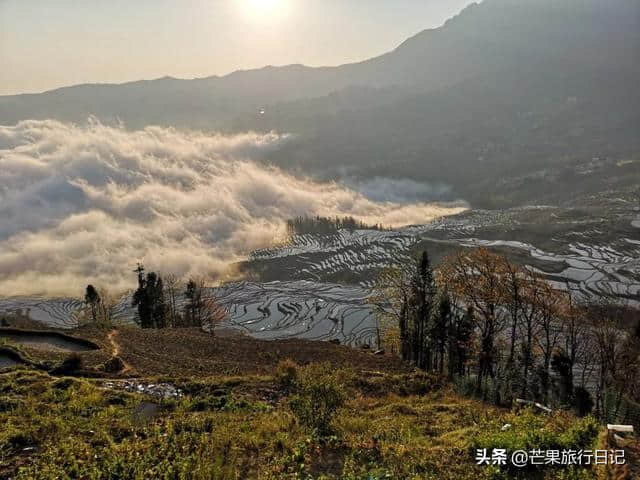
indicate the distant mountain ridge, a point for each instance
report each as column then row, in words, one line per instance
column 492, row 36
column 508, row 90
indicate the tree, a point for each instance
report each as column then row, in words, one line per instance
column 420, row 303
column 390, row 300
column 459, row 340
column 172, row 287
column 575, row 336
column 529, row 327
column 107, row 307
column 561, row 364
column 513, row 282
column 475, row 279
column 141, row 299
column 406, row 293
column 195, row 304
column 550, row 308
column 609, row 338
column 92, row 299
column 441, row 319
column 149, row 299
column 159, row 306
column 202, row 309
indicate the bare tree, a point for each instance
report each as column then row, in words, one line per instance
column 550, row 307
column 529, row 326
column 202, row 309
column 100, row 308
column 108, row 307
column 390, row 301
column 609, row 339
column 513, row 281
column 474, row 277
column 173, row 289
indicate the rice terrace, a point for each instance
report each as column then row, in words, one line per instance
column 278, row 239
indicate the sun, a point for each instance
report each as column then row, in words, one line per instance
column 265, row 9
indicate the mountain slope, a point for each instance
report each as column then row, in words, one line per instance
column 495, row 36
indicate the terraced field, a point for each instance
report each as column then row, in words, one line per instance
column 275, row 310
column 316, row 286
column 587, row 253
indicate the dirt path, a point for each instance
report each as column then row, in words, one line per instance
column 115, row 349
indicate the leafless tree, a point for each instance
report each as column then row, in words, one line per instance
column 173, row 289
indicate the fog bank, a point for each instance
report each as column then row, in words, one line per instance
column 81, row 204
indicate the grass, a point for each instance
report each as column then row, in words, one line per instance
column 387, row 425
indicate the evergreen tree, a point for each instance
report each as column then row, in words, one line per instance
column 561, row 364
column 92, row 298
column 194, row 306
column 419, row 312
column 440, row 319
column 141, row 300
column 459, row 342
column 149, row 299
column 158, row 304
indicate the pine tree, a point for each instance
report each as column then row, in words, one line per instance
column 150, row 300
column 193, row 308
column 459, row 341
column 158, row 304
column 419, row 311
column 440, row 319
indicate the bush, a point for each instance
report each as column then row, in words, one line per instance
column 113, row 365
column 287, row 373
column 530, row 430
column 582, row 401
column 69, row 365
column 319, row 395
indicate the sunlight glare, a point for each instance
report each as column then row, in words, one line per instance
column 265, row 9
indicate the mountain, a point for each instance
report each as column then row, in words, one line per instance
column 506, row 87
column 495, row 36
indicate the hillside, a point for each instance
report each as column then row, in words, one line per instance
column 505, row 88
column 191, row 420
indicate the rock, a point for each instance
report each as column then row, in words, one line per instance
column 379, row 352
column 505, row 427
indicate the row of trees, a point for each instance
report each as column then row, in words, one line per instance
column 325, row 225
column 160, row 301
column 486, row 320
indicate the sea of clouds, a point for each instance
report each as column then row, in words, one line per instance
column 81, row 204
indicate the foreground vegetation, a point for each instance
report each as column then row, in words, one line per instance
column 299, row 422
column 502, row 333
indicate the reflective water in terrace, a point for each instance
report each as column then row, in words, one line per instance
column 275, row 310
column 47, row 341
column 6, row 361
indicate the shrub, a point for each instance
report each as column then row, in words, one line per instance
column 319, row 395
column 65, row 384
column 530, row 430
column 69, row 365
column 113, row 365
column 287, row 373
column 582, row 401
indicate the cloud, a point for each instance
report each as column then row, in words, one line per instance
column 82, row 204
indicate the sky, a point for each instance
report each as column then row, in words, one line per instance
column 46, row 44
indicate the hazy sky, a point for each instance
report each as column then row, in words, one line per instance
column 46, row 44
